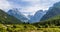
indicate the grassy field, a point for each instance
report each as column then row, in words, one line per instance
column 25, row 28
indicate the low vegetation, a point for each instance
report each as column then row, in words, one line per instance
column 50, row 25
column 25, row 28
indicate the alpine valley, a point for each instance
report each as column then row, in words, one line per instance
column 41, row 21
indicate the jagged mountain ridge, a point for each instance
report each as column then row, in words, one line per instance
column 30, row 18
column 14, row 12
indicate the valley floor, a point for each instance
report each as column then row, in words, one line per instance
column 44, row 30
column 25, row 28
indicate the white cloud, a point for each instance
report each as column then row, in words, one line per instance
column 27, row 5
column 4, row 5
column 33, row 5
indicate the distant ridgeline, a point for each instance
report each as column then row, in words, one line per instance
column 30, row 18
column 14, row 16
column 39, row 15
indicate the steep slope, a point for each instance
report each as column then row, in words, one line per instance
column 7, row 19
column 38, row 15
column 14, row 12
column 51, row 22
column 53, row 11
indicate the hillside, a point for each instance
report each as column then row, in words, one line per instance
column 7, row 19
column 52, row 11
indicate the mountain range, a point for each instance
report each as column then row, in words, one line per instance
column 38, row 16
column 19, row 15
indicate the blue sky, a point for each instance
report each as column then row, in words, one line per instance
column 27, row 5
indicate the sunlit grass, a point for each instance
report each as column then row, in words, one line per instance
column 26, row 28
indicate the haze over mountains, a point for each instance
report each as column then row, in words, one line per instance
column 30, row 18
column 28, row 6
column 39, row 15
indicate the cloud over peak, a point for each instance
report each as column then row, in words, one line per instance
column 27, row 5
